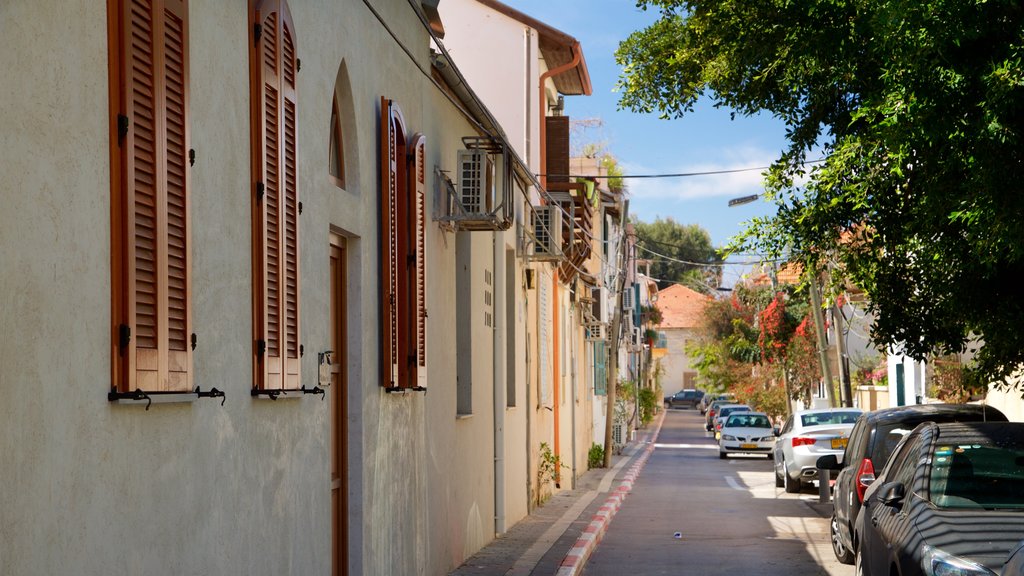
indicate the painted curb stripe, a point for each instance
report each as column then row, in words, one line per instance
column 578, row 555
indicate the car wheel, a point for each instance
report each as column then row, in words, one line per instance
column 722, row 455
column 791, row 486
column 771, row 456
column 843, row 554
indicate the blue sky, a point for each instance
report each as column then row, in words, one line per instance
column 706, row 140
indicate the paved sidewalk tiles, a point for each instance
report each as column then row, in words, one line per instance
column 559, row 536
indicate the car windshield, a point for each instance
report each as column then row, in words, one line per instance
column 730, row 409
column 822, row 418
column 747, row 421
column 972, row 475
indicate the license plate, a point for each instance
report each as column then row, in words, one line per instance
column 839, row 443
column 748, row 446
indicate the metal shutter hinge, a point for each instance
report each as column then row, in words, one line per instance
column 124, row 336
column 259, row 191
column 261, row 348
column 257, row 32
column 122, row 128
column 192, row 157
column 193, row 340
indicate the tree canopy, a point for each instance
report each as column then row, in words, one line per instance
column 679, row 253
column 916, row 108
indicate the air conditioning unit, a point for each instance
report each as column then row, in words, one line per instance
column 617, row 434
column 628, row 299
column 547, row 233
column 476, row 184
column 597, row 331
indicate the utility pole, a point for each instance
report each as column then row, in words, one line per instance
column 819, row 328
column 845, row 392
column 613, row 330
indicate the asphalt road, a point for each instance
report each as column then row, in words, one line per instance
column 729, row 516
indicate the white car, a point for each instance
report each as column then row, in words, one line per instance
column 806, row 436
column 746, row 433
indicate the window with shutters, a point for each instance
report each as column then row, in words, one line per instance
column 600, row 369
column 150, row 261
column 402, row 253
column 276, row 206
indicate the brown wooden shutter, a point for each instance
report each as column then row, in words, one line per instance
column 153, row 194
column 420, row 256
column 557, row 150
column 388, row 237
column 277, row 238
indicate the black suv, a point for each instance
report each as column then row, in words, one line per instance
column 872, row 440
column 684, row 399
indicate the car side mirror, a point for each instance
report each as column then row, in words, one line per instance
column 829, row 462
column 775, row 430
column 892, row 494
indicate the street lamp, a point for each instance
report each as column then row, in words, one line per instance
column 743, row 200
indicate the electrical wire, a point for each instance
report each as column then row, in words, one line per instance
column 706, row 264
column 674, row 174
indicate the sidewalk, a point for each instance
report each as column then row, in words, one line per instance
column 558, row 537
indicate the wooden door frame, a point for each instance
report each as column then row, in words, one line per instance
column 339, row 405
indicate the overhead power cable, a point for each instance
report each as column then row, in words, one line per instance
column 672, row 174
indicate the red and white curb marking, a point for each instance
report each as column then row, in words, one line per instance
column 573, row 562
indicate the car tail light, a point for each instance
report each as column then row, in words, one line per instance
column 865, row 476
column 798, row 441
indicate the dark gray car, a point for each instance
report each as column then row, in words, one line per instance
column 871, row 442
column 950, row 500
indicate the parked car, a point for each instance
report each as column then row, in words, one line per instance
column 950, row 500
column 871, row 442
column 724, row 410
column 806, row 436
column 708, row 398
column 712, row 412
column 684, row 399
column 746, row 433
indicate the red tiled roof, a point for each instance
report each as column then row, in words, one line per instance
column 681, row 307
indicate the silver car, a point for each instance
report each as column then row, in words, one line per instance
column 806, row 436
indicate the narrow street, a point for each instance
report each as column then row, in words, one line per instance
column 729, row 516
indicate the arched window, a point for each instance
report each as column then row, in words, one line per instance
column 337, row 146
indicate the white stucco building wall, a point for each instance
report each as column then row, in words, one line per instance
column 93, row 487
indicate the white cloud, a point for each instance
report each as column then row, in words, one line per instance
column 723, row 185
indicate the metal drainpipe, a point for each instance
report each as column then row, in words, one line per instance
column 499, row 372
column 572, row 397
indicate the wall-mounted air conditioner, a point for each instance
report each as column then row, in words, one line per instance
column 477, row 194
column 596, row 331
column 476, row 184
column 628, row 299
column 547, row 233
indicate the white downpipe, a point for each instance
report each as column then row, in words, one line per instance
column 500, row 300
